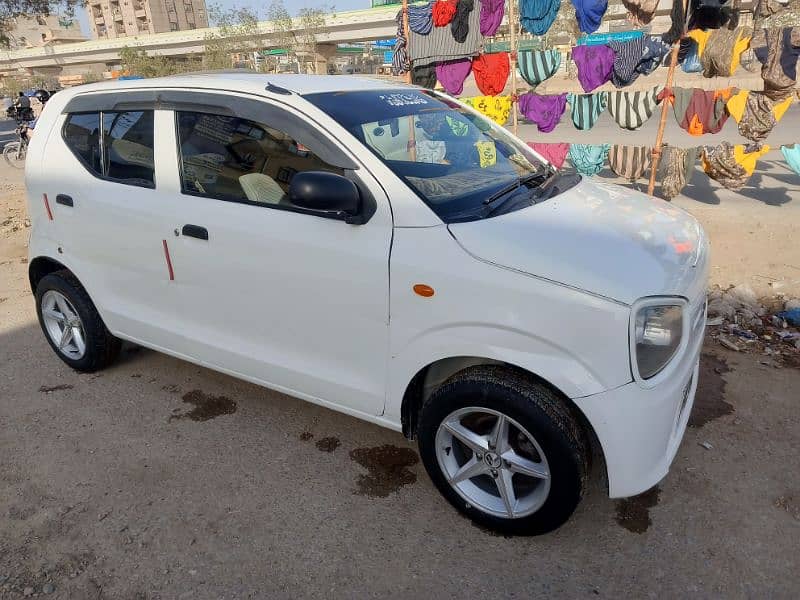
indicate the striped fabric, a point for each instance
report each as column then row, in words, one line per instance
column 440, row 45
column 627, row 56
column 420, row 18
column 632, row 109
column 536, row 66
column 629, row 162
column 587, row 108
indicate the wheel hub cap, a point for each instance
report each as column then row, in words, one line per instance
column 492, row 460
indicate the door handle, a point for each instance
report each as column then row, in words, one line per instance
column 65, row 200
column 195, row 231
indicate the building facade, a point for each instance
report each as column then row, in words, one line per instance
column 121, row 18
column 42, row 30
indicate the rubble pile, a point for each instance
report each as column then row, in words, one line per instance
column 738, row 320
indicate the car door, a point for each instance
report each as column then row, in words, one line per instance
column 292, row 300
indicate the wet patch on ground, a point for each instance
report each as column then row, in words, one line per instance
column 206, row 406
column 306, row 436
column 328, row 444
column 634, row 513
column 388, row 469
column 709, row 402
column 45, row 389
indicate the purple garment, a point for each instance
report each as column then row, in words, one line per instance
column 453, row 73
column 545, row 111
column 492, row 12
column 595, row 65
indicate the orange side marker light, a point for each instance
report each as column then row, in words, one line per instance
column 423, row 290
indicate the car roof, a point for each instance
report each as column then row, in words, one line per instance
column 249, row 81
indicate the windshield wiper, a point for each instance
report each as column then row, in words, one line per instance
column 510, row 188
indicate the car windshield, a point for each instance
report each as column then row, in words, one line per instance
column 460, row 163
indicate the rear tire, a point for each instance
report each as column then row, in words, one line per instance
column 72, row 325
column 531, row 479
column 14, row 155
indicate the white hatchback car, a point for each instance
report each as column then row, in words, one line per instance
column 384, row 251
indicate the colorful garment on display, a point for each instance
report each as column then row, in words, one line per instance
column 631, row 110
column 443, row 12
column 595, row 65
column 587, row 108
column 497, row 108
column 730, row 165
column 537, row 16
column 676, row 169
column 654, row 52
column 491, row 72
column 678, row 17
column 627, row 56
column 424, row 76
column 720, row 50
column 536, row 66
column 460, row 24
column 641, row 12
column 588, row 159
column 545, row 111
column 400, row 60
column 629, row 162
column 555, row 153
column 452, row 75
column 792, row 156
column 777, row 49
column 420, row 18
column 440, row 45
column 699, row 111
column 691, row 58
column 492, row 13
column 589, row 14
column 756, row 113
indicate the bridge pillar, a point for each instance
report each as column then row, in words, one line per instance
column 325, row 52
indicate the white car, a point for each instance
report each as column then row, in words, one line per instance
column 384, row 251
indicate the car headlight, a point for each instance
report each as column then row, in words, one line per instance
column 658, row 332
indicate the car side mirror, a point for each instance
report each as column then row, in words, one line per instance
column 326, row 195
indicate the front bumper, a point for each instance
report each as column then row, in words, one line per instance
column 641, row 429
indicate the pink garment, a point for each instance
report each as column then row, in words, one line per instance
column 555, row 153
column 453, row 73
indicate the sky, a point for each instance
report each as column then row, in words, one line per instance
column 260, row 7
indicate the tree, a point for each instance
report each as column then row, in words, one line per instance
column 137, row 62
column 299, row 37
column 15, row 8
column 238, row 31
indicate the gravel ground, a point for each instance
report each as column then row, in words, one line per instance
column 160, row 479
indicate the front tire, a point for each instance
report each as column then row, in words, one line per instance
column 504, row 450
column 14, row 154
column 72, row 325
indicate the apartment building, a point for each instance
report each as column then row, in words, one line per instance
column 41, row 30
column 120, row 18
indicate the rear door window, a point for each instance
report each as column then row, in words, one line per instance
column 82, row 135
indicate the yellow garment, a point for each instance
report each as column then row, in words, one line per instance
column 497, row 108
column 701, row 37
column 742, row 44
column 781, row 108
column 748, row 161
column 487, row 152
column 736, row 105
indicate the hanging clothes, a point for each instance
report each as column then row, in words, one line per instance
column 589, row 13
column 443, row 12
column 491, row 72
column 424, row 76
column 756, row 113
column 420, row 18
column 545, row 111
column 700, row 111
column 400, row 60
column 588, row 159
column 631, row 110
column 453, row 73
column 678, row 17
column 492, row 13
column 595, row 65
column 629, row 162
column 675, row 169
column 497, row 108
column 460, row 24
column 537, row 16
column 587, row 108
column 766, row 8
column 641, row 12
column 731, row 165
column 555, row 153
column 536, row 66
column 777, row 49
column 691, row 60
column 792, row 156
column 627, row 56
column 440, row 45
column 654, row 52
column 721, row 50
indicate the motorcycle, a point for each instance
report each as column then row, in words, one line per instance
column 14, row 152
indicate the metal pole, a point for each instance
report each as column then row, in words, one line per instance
column 512, row 26
column 656, row 155
column 412, row 132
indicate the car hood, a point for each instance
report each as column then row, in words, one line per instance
column 600, row 238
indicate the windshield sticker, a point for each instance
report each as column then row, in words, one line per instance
column 403, row 99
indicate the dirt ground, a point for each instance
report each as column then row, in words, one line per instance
column 160, row 479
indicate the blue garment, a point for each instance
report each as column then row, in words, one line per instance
column 537, row 16
column 589, row 14
column 654, row 52
column 420, row 18
column 691, row 63
column 588, row 159
column 536, row 66
column 792, row 156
